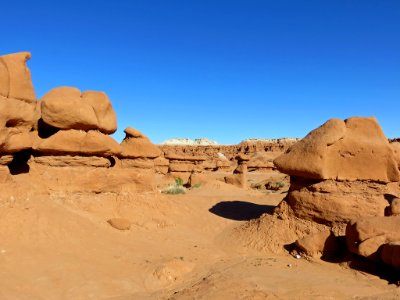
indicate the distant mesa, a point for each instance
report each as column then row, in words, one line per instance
column 189, row 142
column 277, row 140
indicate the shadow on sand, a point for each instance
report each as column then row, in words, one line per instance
column 240, row 210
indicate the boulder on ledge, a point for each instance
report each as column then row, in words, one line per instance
column 68, row 108
column 354, row 149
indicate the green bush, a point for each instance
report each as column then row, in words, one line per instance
column 176, row 188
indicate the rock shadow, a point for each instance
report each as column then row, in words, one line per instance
column 19, row 164
column 379, row 269
column 240, row 210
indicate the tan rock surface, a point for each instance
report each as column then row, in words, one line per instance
column 365, row 236
column 78, row 142
column 68, row 108
column 140, row 163
column 15, row 77
column 396, row 150
column 137, row 145
column 105, row 114
column 318, row 244
column 72, row 161
column 354, row 149
column 331, row 202
column 181, row 167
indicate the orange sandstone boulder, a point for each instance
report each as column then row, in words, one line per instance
column 15, row 77
column 68, row 108
column 334, row 202
column 366, row 236
column 354, row 149
column 136, row 144
column 17, row 103
column 396, row 150
column 323, row 243
column 78, row 142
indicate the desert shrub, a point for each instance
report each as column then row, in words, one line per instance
column 176, row 188
column 274, row 186
column 268, row 185
column 197, row 185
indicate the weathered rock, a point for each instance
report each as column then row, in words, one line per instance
column 365, row 236
column 16, row 114
column 137, row 145
column 329, row 201
column 16, row 121
column 198, row 179
column 83, row 179
column 120, row 223
column 394, row 208
column 4, row 174
column 262, row 161
column 182, row 175
column 72, row 161
column 239, row 180
column 77, row 142
column 6, row 159
column 176, row 156
column 140, row 163
column 161, row 165
column 161, row 162
column 224, row 164
column 209, row 165
column 390, row 254
column 15, row 77
column 240, row 169
column 105, row 114
column 322, row 243
column 354, row 149
column 242, row 157
column 15, row 142
column 396, row 150
column 181, row 167
column 66, row 108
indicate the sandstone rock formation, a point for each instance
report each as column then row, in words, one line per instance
column 344, row 172
column 396, row 150
column 77, row 142
column 61, row 140
column 137, row 145
column 368, row 237
column 340, row 171
column 15, row 77
column 68, row 108
column 17, row 103
column 354, row 149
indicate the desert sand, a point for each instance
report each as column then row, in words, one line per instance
column 84, row 217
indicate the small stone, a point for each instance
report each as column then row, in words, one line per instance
column 120, row 223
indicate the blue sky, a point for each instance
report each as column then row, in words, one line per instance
column 225, row 70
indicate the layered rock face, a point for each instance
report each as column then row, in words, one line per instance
column 182, row 160
column 17, row 103
column 340, row 171
column 345, row 175
column 62, row 141
column 138, row 151
column 72, row 122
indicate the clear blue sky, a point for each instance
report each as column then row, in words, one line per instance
column 225, row 70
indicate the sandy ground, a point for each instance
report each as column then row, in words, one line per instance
column 59, row 246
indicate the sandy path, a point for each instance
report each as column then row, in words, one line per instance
column 60, row 247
